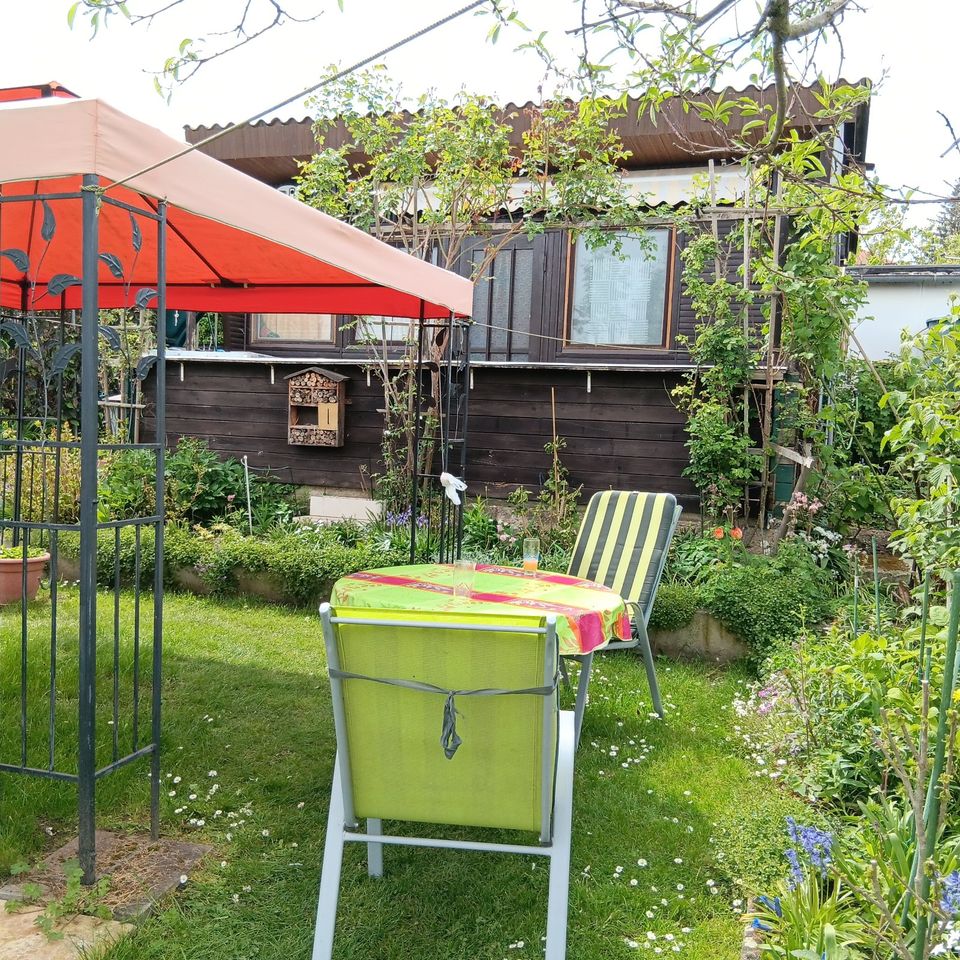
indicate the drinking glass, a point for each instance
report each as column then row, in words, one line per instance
column 463, row 571
column 531, row 554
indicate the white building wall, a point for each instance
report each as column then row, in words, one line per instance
column 893, row 307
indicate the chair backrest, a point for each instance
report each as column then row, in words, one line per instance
column 623, row 541
column 392, row 763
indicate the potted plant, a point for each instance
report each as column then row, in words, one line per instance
column 11, row 572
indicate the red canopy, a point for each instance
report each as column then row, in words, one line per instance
column 233, row 243
column 35, row 91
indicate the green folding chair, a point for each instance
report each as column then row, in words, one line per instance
column 622, row 543
column 451, row 720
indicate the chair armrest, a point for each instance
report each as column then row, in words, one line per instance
column 633, row 608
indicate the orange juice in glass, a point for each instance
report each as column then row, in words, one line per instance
column 531, row 554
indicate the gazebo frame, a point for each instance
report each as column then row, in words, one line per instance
column 26, row 531
column 448, row 339
column 223, row 243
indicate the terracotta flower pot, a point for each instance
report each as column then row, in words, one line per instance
column 11, row 577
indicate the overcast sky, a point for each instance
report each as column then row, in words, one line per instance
column 912, row 44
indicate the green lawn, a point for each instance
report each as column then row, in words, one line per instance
column 248, row 734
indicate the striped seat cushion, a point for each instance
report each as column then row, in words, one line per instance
column 621, row 541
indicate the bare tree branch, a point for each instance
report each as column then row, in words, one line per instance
column 820, row 21
column 956, row 140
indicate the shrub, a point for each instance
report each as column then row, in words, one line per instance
column 107, row 554
column 674, row 606
column 199, row 483
column 127, row 480
column 554, row 521
column 693, row 556
column 303, row 563
column 766, row 601
column 200, row 487
column 825, row 702
column 720, row 459
column 16, row 553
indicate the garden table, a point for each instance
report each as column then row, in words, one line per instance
column 588, row 614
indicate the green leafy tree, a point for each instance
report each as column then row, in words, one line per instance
column 926, row 444
column 444, row 181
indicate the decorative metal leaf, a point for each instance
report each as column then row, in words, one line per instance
column 61, row 358
column 17, row 257
column 144, row 367
column 113, row 264
column 135, row 230
column 144, row 296
column 18, row 332
column 111, row 335
column 7, row 369
column 60, row 282
column 49, row 226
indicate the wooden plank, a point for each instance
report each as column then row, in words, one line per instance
column 601, row 429
column 482, row 479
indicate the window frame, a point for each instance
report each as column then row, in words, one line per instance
column 376, row 342
column 568, row 347
column 481, row 338
column 332, row 343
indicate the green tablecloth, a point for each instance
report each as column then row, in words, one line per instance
column 588, row 614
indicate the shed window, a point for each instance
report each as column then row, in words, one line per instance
column 619, row 297
column 293, row 327
column 374, row 330
column 503, row 305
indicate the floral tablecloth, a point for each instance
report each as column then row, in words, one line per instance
column 588, row 614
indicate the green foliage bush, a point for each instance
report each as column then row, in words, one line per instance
column 109, row 558
column 833, row 691
column 41, row 470
column 767, row 601
column 693, row 557
column 200, row 488
column 674, row 606
column 720, row 460
column 302, row 564
column 16, row 553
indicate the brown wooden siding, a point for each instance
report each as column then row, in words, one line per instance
column 624, row 434
column 543, row 342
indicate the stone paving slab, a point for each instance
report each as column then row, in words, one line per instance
column 22, row 939
column 141, row 872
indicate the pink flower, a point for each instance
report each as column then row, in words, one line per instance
column 231, row 497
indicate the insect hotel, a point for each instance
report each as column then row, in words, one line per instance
column 317, row 401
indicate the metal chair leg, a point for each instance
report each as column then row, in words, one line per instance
column 559, row 892
column 648, row 663
column 330, row 876
column 374, row 850
column 583, row 686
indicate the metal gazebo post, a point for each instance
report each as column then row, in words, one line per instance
column 417, row 433
column 160, row 437
column 89, row 431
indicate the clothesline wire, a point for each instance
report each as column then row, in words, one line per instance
column 339, row 75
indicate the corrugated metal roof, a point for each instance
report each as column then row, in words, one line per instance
column 269, row 149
